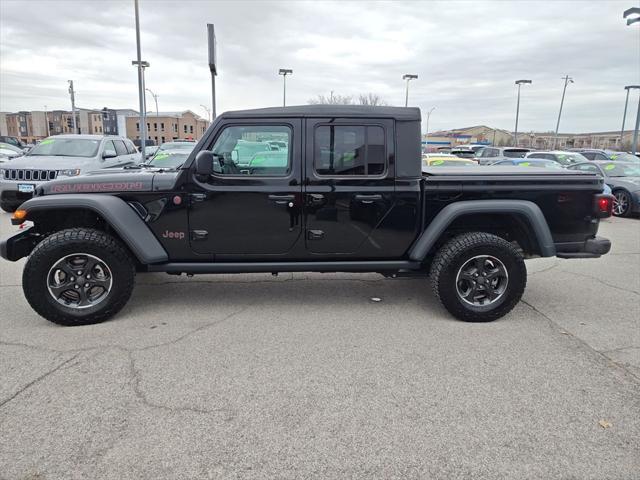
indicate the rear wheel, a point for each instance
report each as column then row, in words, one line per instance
column 78, row 277
column 621, row 203
column 478, row 277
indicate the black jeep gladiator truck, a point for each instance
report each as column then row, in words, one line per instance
column 311, row 188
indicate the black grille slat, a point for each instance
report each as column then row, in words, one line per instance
column 30, row 175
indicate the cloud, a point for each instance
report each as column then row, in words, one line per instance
column 467, row 56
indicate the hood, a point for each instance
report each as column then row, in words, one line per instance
column 112, row 181
column 44, row 162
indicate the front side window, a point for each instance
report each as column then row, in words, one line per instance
column 246, row 150
column 345, row 150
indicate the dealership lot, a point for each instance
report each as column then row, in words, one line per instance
column 304, row 376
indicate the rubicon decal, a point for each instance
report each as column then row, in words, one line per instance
column 174, row 235
column 97, row 187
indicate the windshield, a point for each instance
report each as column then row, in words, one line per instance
column 569, row 158
column 624, row 157
column 621, row 170
column 177, row 146
column 515, row 153
column 169, row 158
column 450, row 163
column 66, row 147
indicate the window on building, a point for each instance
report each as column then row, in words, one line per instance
column 175, row 128
column 138, row 127
column 100, row 129
column 162, row 126
column 155, row 127
column 349, row 150
column 148, row 127
column 162, row 139
column 185, row 129
column 190, row 128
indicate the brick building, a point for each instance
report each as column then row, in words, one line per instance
column 167, row 126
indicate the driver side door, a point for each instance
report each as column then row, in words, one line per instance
column 251, row 206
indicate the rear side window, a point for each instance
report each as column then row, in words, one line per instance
column 131, row 148
column 120, row 148
column 348, row 150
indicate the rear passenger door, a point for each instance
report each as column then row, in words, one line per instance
column 124, row 157
column 349, row 186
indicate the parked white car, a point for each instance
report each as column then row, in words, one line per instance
column 61, row 156
column 563, row 158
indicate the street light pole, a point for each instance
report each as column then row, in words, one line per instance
column 284, row 72
column 72, row 92
column 139, row 64
column 46, row 120
column 634, row 17
column 515, row 134
column 408, row 77
column 155, row 98
column 567, row 79
column 426, row 135
column 213, row 68
column 628, row 88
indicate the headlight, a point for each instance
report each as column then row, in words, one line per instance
column 69, row 173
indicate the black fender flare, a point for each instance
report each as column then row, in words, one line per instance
column 132, row 229
column 528, row 210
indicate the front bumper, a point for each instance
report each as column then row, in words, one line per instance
column 10, row 195
column 590, row 248
column 18, row 245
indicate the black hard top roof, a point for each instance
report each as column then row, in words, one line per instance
column 398, row 113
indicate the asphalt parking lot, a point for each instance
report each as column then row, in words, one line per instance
column 304, row 376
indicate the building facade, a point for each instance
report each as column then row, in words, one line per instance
column 168, row 126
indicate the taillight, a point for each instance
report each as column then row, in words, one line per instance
column 603, row 205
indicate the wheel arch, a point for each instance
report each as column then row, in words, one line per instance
column 525, row 224
column 95, row 211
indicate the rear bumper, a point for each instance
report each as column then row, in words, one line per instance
column 18, row 245
column 590, row 248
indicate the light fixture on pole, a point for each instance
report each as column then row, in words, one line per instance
column 284, row 72
column 628, row 88
column 408, row 77
column 566, row 79
column 208, row 110
column 155, row 98
column 426, row 135
column 632, row 11
column 515, row 134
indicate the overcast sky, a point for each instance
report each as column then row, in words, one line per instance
column 467, row 56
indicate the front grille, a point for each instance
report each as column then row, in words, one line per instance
column 32, row 175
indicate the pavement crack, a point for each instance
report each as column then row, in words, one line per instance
column 38, row 379
column 142, row 396
column 584, row 275
column 191, row 332
column 608, row 361
column 545, row 269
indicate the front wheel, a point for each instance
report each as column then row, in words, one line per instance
column 478, row 277
column 78, row 276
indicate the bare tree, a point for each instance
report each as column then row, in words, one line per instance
column 370, row 98
column 333, row 99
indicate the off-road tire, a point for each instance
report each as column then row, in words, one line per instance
column 459, row 250
column 82, row 241
column 8, row 207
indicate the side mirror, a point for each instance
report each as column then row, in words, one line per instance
column 109, row 154
column 204, row 164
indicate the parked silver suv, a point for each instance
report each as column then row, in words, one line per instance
column 61, row 156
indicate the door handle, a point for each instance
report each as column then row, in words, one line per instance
column 368, row 198
column 282, row 199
